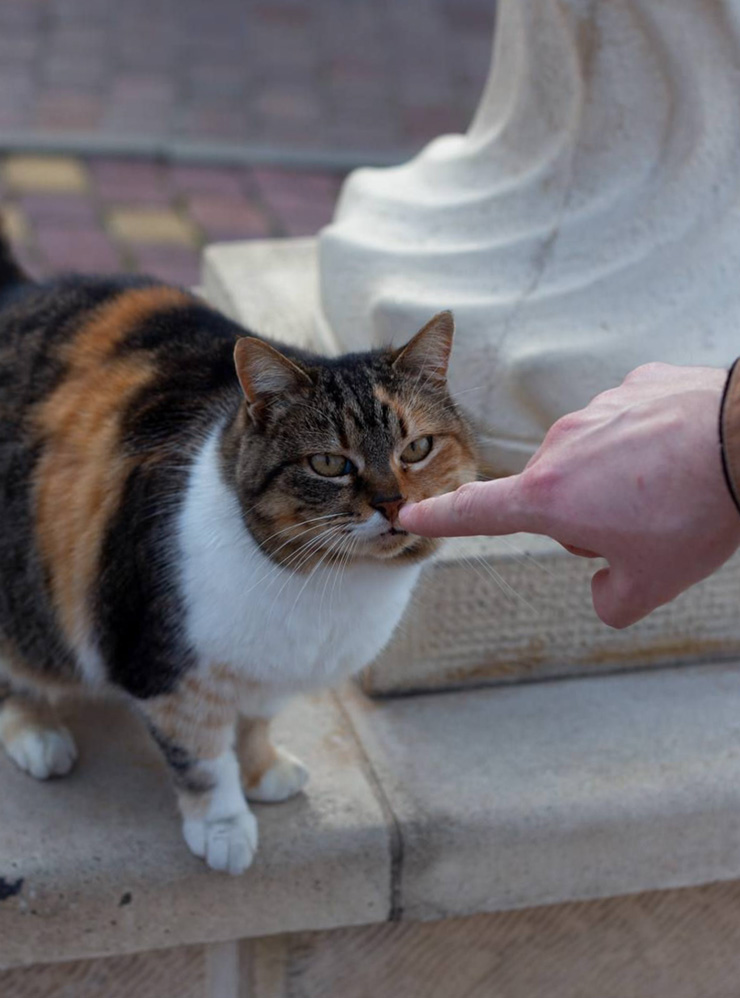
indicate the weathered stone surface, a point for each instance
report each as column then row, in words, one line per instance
column 545, row 793
column 583, row 225
column 100, row 866
column 271, row 286
column 663, row 944
column 175, row 973
column 500, row 610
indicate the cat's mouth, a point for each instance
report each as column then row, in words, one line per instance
column 377, row 531
column 388, row 543
column 391, row 534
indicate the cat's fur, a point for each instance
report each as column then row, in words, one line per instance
column 163, row 529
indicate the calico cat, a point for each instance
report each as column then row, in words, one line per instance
column 206, row 521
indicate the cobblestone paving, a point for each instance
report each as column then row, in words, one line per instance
column 380, row 75
column 102, row 215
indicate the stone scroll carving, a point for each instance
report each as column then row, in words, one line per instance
column 588, row 221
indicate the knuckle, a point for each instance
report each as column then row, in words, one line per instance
column 563, row 426
column 540, row 484
column 464, row 501
column 645, row 372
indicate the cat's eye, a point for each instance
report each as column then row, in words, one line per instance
column 331, row 465
column 417, row 450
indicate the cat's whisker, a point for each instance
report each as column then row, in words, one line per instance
column 464, row 391
column 310, row 549
column 289, row 563
column 298, row 559
column 343, row 561
column 295, row 537
column 337, row 553
column 523, row 556
column 351, row 548
column 477, row 563
column 293, row 566
column 313, row 519
column 308, row 579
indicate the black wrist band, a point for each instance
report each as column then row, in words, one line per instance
column 722, row 447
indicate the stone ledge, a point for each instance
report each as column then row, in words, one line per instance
column 492, row 610
column 553, row 792
column 105, row 870
column 269, row 285
column 452, row 805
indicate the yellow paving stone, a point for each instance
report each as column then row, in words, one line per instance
column 45, row 173
column 15, row 223
column 151, row 225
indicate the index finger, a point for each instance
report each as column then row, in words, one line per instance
column 476, row 508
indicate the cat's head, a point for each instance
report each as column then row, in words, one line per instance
column 326, row 450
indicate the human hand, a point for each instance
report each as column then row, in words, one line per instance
column 635, row 478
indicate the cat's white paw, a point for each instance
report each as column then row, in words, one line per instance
column 43, row 752
column 284, row 779
column 226, row 844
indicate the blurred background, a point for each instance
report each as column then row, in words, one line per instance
column 132, row 132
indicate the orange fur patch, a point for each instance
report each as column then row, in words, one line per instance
column 453, row 465
column 82, row 471
column 204, row 733
column 256, row 752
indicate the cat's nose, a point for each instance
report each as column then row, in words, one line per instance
column 387, row 505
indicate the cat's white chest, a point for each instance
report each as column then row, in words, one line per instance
column 273, row 625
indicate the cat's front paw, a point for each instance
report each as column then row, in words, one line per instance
column 285, row 778
column 226, row 844
column 43, row 752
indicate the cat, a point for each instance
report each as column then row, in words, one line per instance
column 204, row 520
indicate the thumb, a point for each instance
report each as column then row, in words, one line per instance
column 617, row 601
column 476, row 508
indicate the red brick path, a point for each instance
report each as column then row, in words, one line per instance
column 300, row 75
column 105, row 215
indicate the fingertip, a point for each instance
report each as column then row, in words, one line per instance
column 428, row 517
column 407, row 515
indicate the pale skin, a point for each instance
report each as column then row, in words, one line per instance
column 635, row 478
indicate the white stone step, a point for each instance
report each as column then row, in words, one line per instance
column 419, row 808
column 501, row 610
column 487, row 610
column 105, row 870
column 542, row 793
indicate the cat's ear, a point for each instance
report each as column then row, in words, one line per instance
column 264, row 372
column 428, row 353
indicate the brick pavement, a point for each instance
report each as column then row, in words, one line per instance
column 101, row 215
column 302, row 76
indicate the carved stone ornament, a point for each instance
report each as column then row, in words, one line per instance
column 588, row 221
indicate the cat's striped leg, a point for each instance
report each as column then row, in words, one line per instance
column 33, row 736
column 196, row 737
column 268, row 773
